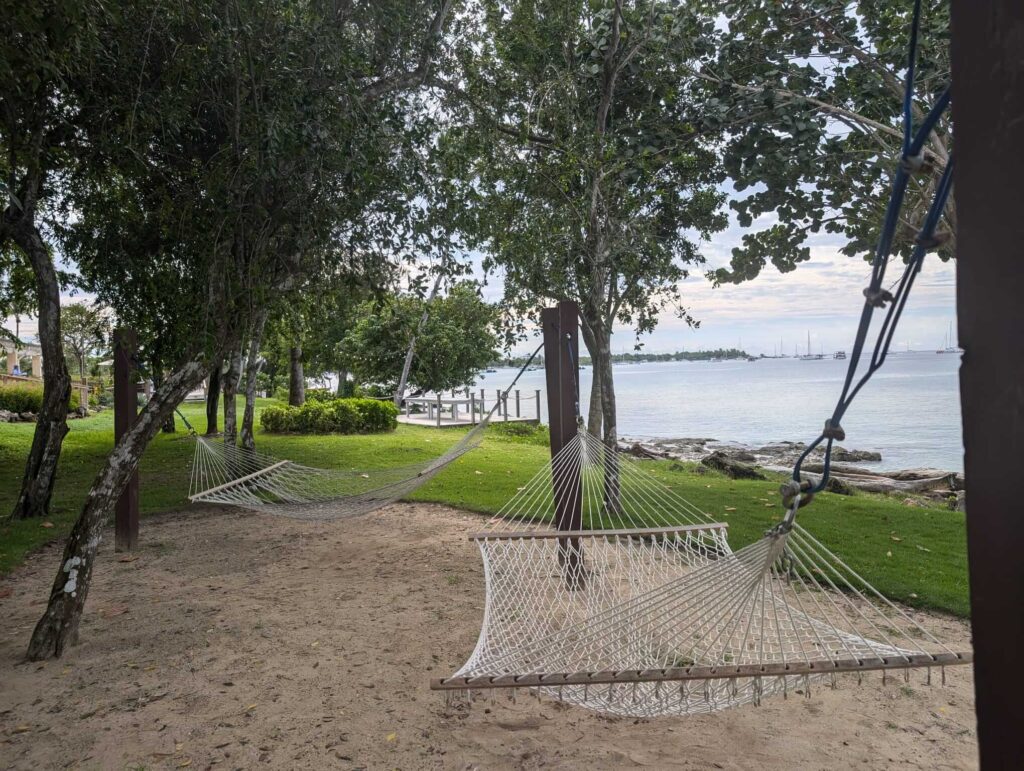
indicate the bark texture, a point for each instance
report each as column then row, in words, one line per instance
column 58, row 626
column 253, row 363
column 296, row 378
column 230, row 387
column 213, row 400
column 51, row 424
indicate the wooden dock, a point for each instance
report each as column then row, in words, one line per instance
column 467, row 408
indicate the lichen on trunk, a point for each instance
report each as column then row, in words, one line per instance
column 58, row 626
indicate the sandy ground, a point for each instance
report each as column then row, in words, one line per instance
column 240, row 640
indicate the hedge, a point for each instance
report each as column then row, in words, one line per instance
column 22, row 398
column 336, row 416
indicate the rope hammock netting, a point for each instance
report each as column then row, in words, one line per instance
column 230, row 475
column 227, row 474
column 608, row 590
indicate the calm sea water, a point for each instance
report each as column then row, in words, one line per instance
column 909, row 412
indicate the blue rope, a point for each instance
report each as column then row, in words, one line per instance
column 876, row 297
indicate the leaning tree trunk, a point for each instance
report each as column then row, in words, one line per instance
column 231, row 378
column 58, row 627
column 411, row 352
column 296, row 378
column 252, row 371
column 213, row 399
column 52, row 420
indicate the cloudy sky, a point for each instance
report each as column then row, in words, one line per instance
column 823, row 297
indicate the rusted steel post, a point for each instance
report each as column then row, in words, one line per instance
column 126, row 512
column 518, row 415
column 988, row 105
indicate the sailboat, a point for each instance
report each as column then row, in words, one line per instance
column 948, row 346
column 811, row 356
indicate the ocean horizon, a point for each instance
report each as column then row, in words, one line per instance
column 909, row 411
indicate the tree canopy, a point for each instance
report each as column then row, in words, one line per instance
column 588, row 170
column 813, row 93
column 456, row 341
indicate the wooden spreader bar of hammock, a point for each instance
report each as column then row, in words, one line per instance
column 724, row 672
column 240, row 480
column 627, row 533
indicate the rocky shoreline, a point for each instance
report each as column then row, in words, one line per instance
column 914, row 486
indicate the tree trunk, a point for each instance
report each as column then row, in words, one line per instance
column 52, row 421
column 157, row 376
column 407, row 366
column 231, row 378
column 252, row 371
column 603, row 373
column 594, row 412
column 296, row 378
column 58, row 627
column 213, row 399
column 344, row 389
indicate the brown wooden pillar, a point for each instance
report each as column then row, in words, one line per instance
column 561, row 360
column 988, row 114
column 126, row 513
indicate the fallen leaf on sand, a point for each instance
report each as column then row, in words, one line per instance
column 20, row 729
column 128, row 558
column 391, row 736
column 185, row 763
column 114, row 610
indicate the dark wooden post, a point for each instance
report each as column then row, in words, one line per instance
column 561, row 358
column 126, row 512
column 988, row 105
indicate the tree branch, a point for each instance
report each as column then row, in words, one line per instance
column 418, row 76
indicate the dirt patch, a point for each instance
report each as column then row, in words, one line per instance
column 241, row 640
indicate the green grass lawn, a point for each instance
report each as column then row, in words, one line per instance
column 916, row 555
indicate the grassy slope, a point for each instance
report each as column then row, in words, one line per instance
column 912, row 554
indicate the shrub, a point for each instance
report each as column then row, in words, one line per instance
column 523, row 433
column 331, row 416
column 24, row 398
column 320, row 395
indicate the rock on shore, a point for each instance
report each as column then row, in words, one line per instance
column 740, row 461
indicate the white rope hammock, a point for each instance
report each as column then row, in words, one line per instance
column 230, row 475
column 234, row 476
column 637, row 606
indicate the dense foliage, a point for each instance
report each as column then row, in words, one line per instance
column 23, row 398
column 812, row 91
column 588, row 169
column 456, row 341
column 332, row 416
